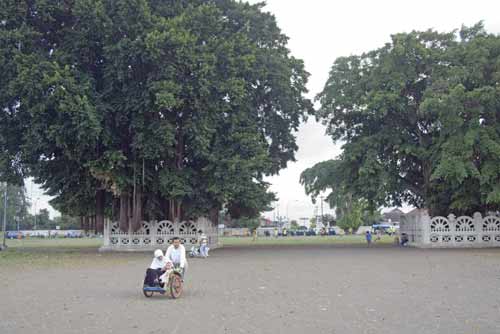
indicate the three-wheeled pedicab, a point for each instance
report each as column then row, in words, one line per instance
column 173, row 286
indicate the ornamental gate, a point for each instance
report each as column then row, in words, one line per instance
column 153, row 235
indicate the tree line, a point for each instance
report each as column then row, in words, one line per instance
column 146, row 109
column 19, row 216
column 419, row 123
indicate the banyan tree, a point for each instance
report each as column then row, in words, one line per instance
column 147, row 109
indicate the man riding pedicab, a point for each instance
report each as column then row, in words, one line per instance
column 176, row 253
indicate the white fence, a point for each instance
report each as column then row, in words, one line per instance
column 153, row 235
column 451, row 231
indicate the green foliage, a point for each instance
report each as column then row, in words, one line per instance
column 351, row 220
column 351, row 211
column 174, row 109
column 43, row 221
column 313, row 223
column 66, row 222
column 419, row 121
column 371, row 217
column 245, row 222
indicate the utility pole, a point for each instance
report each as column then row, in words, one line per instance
column 4, row 244
column 279, row 217
column 323, row 225
column 35, row 213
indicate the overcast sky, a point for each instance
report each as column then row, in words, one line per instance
column 322, row 30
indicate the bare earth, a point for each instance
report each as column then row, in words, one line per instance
column 267, row 289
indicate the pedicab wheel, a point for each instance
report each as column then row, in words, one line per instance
column 148, row 294
column 175, row 286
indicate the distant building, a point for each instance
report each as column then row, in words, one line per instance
column 264, row 222
column 393, row 217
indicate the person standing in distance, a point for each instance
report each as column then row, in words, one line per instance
column 368, row 237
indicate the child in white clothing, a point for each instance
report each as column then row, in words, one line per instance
column 204, row 245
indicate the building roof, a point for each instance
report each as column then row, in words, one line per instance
column 394, row 215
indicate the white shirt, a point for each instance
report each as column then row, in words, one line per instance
column 158, row 264
column 177, row 255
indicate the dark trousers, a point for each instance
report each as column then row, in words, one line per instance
column 152, row 275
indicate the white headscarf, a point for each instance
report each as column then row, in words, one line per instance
column 159, row 261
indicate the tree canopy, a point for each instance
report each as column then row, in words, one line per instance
column 419, row 119
column 147, row 109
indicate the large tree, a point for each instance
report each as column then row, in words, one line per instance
column 142, row 109
column 420, row 121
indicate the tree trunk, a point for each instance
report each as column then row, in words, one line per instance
column 176, row 204
column 164, row 207
column 99, row 209
column 137, row 210
column 94, row 227
column 214, row 216
column 124, row 214
column 427, row 173
column 172, row 213
column 86, row 223
column 179, row 210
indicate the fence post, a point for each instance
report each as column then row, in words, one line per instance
column 154, row 231
column 477, row 218
column 425, row 223
column 106, row 233
column 452, row 220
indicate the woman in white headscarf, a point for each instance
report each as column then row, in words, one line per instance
column 158, row 267
column 159, row 260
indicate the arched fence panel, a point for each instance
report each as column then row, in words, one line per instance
column 451, row 232
column 158, row 234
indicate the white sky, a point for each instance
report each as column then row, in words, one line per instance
column 322, row 30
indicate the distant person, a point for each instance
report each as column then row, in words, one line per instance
column 254, row 234
column 275, row 232
column 157, row 269
column 404, row 239
column 204, row 245
column 368, row 238
column 379, row 235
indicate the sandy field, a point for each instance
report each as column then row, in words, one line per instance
column 316, row 288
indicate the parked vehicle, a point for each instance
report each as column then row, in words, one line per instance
column 310, row 233
column 73, row 234
column 331, row 231
column 14, row 235
column 385, row 228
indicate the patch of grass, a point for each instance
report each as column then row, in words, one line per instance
column 48, row 252
column 55, row 243
column 313, row 240
column 81, row 252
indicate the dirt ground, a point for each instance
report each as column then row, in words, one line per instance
column 266, row 289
